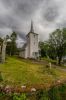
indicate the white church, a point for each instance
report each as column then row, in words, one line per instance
column 31, row 48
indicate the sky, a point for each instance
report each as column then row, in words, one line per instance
column 47, row 15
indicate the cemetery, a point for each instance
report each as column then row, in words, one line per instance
column 32, row 49
column 28, row 76
column 35, row 73
column 23, row 73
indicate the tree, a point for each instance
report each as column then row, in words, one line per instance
column 57, row 42
column 44, row 46
column 42, row 50
column 8, row 48
column 13, row 38
column 11, row 45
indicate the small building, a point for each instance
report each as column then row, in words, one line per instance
column 31, row 48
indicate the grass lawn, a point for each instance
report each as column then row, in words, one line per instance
column 19, row 71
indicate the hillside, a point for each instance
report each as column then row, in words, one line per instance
column 20, row 71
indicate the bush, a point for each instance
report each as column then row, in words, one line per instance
column 1, row 78
column 20, row 97
column 42, row 95
column 54, row 94
column 62, row 90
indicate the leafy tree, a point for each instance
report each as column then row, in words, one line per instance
column 1, row 40
column 8, row 48
column 41, row 45
column 57, row 42
column 44, row 46
column 13, row 36
column 47, row 50
column 7, row 37
column 11, row 45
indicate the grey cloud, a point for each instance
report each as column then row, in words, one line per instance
column 50, row 11
column 20, row 11
column 61, row 24
column 22, row 7
column 22, row 35
column 16, row 15
column 51, row 14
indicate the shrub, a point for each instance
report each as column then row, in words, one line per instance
column 62, row 90
column 54, row 94
column 20, row 97
column 42, row 95
column 1, row 78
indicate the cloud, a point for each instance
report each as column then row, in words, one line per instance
column 47, row 15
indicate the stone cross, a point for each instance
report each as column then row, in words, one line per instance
column 4, row 50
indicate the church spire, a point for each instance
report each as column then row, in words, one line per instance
column 32, row 30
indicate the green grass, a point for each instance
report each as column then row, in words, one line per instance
column 20, row 71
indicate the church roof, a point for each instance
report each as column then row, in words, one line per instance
column 23, row 48
column 31, row 29
column 24, row 45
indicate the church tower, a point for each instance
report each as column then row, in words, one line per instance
column 32, row 43
column 30, row 49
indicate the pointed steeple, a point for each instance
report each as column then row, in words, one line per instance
column 32, row 30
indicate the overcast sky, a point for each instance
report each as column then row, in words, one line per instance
column 47, row 15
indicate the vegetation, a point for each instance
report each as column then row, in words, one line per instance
column 20, row 71
column 57, row 42
column 1, row 78
column 55, row 46
column 13, row 96
column 11, row 47
column 42, row 95
column 54, row 93
column 44, row 48
column 19, row 97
